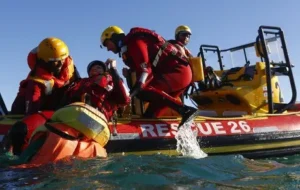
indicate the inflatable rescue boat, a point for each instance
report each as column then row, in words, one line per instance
column 242, row 107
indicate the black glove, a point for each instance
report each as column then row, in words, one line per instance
column 136, row 89
column 115, row 75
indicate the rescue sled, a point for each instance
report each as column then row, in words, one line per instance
column 242, row 109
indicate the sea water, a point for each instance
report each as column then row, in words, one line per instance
column 158, row 171
column 187, row 143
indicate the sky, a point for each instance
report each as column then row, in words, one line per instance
column 226, row 23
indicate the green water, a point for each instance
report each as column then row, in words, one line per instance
column 158, row 172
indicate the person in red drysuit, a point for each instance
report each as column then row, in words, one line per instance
column 104, row 89
column 52, row 69
column 163, row 72
column 182, row 38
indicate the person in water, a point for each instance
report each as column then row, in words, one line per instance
column 103, row 89
column 52, row 70
column 182, row 38
column 162, row 71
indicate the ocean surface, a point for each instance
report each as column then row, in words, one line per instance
column 157, row 172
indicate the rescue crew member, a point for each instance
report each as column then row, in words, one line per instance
column 162, row 71
column 52, row 69
column 182, row 38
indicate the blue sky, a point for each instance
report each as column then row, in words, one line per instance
column 227, row 23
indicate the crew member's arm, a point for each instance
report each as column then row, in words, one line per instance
column 33, row 97
column 138, row 51
column 120, row 93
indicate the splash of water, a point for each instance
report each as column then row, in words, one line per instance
column 187, row 143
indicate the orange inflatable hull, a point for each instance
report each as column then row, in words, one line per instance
column 56, row 148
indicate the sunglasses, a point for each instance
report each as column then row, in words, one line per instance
column 56, row 63
column 185, row 35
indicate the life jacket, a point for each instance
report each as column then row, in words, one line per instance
column 96, row 87
column 41, row 76
column 48, row 84
column 66, row 73
column 181, row 47
column 164, row 48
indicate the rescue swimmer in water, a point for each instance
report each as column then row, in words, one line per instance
column 163, row 71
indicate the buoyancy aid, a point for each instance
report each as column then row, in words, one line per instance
column 164, row 48
column 48, row 84
column 43, row 77
column 195, row 62
column 97, row 87
column 181, row 47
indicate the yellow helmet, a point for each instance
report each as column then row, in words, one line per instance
column 52, row 49
column 108, row 32
column 182, row 28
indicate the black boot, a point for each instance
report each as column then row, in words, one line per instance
column 187, row 114
column 17, row 137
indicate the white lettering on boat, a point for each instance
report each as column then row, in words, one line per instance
column 163, row 130
column 174, row 127
column 148, row 129
column 204, row 129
